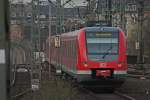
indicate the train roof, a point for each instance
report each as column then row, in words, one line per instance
column 92, row 29
column 102, row 29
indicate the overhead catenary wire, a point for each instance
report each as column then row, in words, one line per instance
column 68, row 1
column 52, row 3
column 61, row 5
column 78, row 9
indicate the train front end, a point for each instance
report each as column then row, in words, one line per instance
column 102, row 55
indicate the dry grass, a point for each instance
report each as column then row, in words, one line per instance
column 53, row 90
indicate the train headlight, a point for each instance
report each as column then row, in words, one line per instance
column 120, row 64
column 85, row 64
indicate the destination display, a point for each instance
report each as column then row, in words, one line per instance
column 101, row 35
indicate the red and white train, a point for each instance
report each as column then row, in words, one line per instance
column 91, row 54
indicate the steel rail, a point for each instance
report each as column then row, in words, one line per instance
column 124, row 95
column 97, row 96
column 21, row 93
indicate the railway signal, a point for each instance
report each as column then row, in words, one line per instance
column 57, row 41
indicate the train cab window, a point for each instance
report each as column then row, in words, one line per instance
column 74, row 50
column 68, row 49
column 102, row 46
column 62, row 48
column 71, row 49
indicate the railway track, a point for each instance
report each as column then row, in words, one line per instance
column 96, row 95
column 101, row 95
column 21, row 94
column 20, row 84
column 107, row 96
column 127, row 97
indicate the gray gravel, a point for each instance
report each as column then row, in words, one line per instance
column 137, row 88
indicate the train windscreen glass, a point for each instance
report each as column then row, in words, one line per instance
column 102, row 46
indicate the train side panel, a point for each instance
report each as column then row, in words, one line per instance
column 68, row 54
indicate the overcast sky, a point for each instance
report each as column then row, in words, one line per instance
column 76, row 2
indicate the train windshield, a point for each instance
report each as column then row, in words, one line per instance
column 102, row 46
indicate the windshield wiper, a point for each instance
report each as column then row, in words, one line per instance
column 107, row 52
